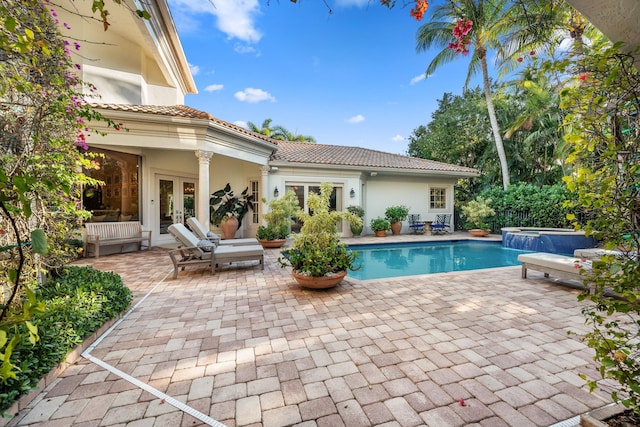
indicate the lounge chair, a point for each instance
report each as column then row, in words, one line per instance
column 552, row 264
column 201, row 251
column 442, row 224
column 202, row 233
column 416, row 224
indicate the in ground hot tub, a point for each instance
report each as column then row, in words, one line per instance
column 552, row 240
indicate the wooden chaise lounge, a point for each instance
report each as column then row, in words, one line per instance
column 192, row 252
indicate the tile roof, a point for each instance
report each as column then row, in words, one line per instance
column 307, row 153
column 322, row 154
column 180, row 111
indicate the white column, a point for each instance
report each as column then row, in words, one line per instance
column 204, row 159
column 264, row 190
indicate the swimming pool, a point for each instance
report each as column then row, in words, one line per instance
column 409, row 259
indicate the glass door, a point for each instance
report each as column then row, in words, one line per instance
column 176, row 201
column 302, row 191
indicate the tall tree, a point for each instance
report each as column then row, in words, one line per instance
column 478, row 26
column 278, row 132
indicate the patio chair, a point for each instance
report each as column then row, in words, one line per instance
column 442, row 224
column 202, row 233
column 201, row 251
column 416, row 224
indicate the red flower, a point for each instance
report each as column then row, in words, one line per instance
column 533, row 52
column 583, row 77
column 462, row 402
column 520, row 59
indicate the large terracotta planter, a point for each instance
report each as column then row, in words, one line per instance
column 267, row 244
column 477, row 232
column 229, row 227
column 322, row 282
column 396, row 228
column 380, row 233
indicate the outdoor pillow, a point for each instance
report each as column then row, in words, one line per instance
column 212, row 235
column 206, row 245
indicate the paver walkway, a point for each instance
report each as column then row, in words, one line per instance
column 248, row 347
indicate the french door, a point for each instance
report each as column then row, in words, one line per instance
column 302, row 192
column 175, row 201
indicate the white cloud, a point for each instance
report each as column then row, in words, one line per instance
column 418, row 78
column 245, row 48
column 398, row 138
column 195, row 70
column 253, row 96
column 235, row 18
column 214, row 88
column 359, row 118
column 357, row 3
column 241, row 123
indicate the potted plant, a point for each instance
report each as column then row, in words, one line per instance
column 226, row 209
column 476, row 213
column 278, row 219
column 317, row 257
column 395, row 215
column 380, row 226
column 356, row 226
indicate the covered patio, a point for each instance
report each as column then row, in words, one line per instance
column 248, row 347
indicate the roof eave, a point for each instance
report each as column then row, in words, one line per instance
column 377, row 169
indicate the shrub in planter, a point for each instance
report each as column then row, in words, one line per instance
column 278, row 219
column 396, row 213
column 380, row 224
column 476, row 213
column 317, row 250
column 356, row 226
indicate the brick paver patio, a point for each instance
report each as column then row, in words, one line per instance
column 248, row 347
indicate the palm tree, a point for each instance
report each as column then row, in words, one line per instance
column 265, row 129
column 278, row 132
column 491, row 21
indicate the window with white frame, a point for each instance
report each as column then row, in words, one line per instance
column 438, row 198
column 254, row 190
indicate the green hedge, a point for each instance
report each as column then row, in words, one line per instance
column 526, row 205
column 77, row 303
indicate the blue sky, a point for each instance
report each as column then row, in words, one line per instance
column 352, row 77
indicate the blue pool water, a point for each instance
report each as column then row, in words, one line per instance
column 409, row 259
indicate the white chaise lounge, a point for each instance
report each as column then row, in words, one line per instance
column 556, row 265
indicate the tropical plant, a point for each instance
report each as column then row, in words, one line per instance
column 44, row 120
column 224, row 204
column 317, row 250
column 356, row 210
column 356, row 226
column 478, row 25
column 380, row 224
column 278, row 219
column 278, row 132
column 602, row 119
column 396, row 213
column 74, row 305
column 476, row 213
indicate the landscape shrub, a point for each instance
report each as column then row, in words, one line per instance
column 77, row 302
column 527, row 205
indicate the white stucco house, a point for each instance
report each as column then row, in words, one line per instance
column 165, row 166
